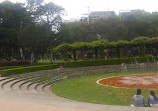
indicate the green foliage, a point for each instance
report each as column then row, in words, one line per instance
column 104, row 44
column 36, row 39
column 100, row 44
column 28, row 28
column 73, row 32
column 20, row 70
column 140, row 40
column 13, row 18
column 9, row 67
column 100, row 62
column 110, row 28
column 81, row 46
column 152, row 40
column 63, row 47
column 122, row 43
column 48, row 13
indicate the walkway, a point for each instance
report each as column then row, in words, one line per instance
column 21, row 95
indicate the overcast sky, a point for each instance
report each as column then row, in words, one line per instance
column 75, row 8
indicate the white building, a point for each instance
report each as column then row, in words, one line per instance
column 99, row 14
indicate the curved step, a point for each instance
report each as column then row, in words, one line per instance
column 8, row 85
column 15, row 86
column 38, row 88
column 47, row 89
column 31, row 87
column 4, row 78
column 12, row 85
column 7, row 81
column 23, row 86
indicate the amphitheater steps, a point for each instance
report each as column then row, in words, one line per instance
column 38, row 88
column 5, row 82
column 47, row 89
column 13, row 85
column 31, row 87
column 21, row 86
column 24, row 85
column 32, row 84
column 16, row 85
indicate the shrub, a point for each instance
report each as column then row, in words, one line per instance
column 100, row 62
column 16, row 63
column 13, row 71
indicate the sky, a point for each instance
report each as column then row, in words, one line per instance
column 77, row 8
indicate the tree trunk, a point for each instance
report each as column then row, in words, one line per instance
column 96, row 53
column 52, row 60
column 32, row 57
column 74, row 55
column 118, row 52
column 21, row 53
column 141, row 50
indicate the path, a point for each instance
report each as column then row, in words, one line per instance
column 22, row 95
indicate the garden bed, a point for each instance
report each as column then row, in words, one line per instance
column 147, row 81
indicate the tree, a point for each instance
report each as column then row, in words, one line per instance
column 153, row 25
column 13, row 18
column 49, row 13
column 35, row 39
column 111, row 28
column 77, row 32
column 136, row 23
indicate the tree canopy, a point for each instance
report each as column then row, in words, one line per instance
column 28, row 29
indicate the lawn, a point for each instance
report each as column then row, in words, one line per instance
column 87, row 90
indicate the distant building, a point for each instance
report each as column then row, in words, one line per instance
column 99, row 14
column 124, row 13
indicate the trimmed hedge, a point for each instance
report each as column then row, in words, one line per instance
column 85, row 63
column 100, row 62
column 13, row 71
column 9, row 67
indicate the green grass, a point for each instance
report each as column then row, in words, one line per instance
column 87, row 90
column 44, row 61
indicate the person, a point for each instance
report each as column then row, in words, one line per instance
column 138, row 99
column 152, row 98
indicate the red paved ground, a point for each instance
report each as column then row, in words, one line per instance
column 147, row 81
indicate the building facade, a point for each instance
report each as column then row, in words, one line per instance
column 93, row 16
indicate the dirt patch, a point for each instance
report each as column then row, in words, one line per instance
column 147, row 81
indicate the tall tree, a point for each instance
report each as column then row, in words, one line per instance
column 152, row 30
column 49, row 13
column 35, row 39
column 13, row 17
column 136, row 23
column 77, row 32
column 110, row 28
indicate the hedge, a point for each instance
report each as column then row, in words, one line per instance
column 9, row 67
column 13, row 71
column 100, row 62
column 85, row 63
